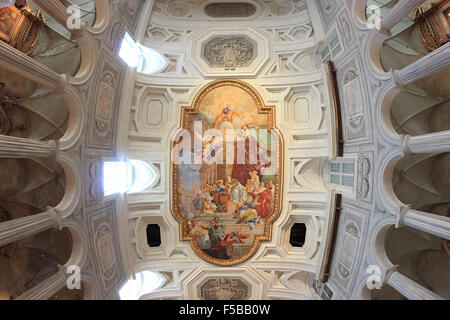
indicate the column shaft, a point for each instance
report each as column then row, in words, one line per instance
column 428, row 65
column 15, row 61
column 55, row 9
column 47, row 288
column 409, row 288
column 399, row 12
column 13, row 147
column 59, row 12
column 436, row 142
column 21, row 228
column 426, row 222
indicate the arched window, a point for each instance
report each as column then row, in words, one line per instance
column 146, row 60
column 143, row 176
column 117, row 177
column 144, row 283
column 131, row 176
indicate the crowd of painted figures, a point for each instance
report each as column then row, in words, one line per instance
column 248, row 205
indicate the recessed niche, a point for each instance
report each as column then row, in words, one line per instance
column 153, row 235
column 230, row 10
column 298, row 235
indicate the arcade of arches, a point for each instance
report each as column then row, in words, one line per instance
column 96, row 94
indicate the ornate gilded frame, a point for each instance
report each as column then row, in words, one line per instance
column 186, row 112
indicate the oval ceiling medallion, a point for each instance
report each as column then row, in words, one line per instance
column 227, row 172
column 230, row 10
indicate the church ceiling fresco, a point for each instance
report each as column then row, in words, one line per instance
column 227, row 164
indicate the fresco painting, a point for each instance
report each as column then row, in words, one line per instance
column 227, row 202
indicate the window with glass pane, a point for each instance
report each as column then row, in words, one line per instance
column 117, row 177
column 331, row 50
column 335, row 179
column 342, row 173
column 348, row 181
column 348, row 168
column 336, row 167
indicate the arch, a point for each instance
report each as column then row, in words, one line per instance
column 144, row 176
column 144, row 283
column 90, row 290
column 381, row 256
column 71, row 198
column 359, row 12
column 79, row 248
column 76, row 119
column 385, row 188
column 309, row 173
column 383, row 113
column 89, row 53
column 376, row 39
column 46, row 251
column 102, row 17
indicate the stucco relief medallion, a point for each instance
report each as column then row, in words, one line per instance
column 227, row 165
column 225, row 289
column 229, row 52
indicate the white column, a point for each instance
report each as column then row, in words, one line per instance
column 424, row 221
column 436, row 142
column 13, row 147
column 47, row 288
column 21, row 228
column 55, row 9
column 409, row 288
column 15, row 61
column 428, row 65
column 399, row 12
column 58, row 12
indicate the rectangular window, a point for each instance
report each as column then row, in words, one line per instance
column 342, row 173
column 336, row 167
column 347, row 181
column 348, row 168
column 332, row 49
column 335, row 179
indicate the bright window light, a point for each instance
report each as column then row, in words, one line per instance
column 145, row 283
column 132, row 176
column 146, row 60
column 129, row 51
column 117, row 177
column 150, row 61
column 143, row 176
